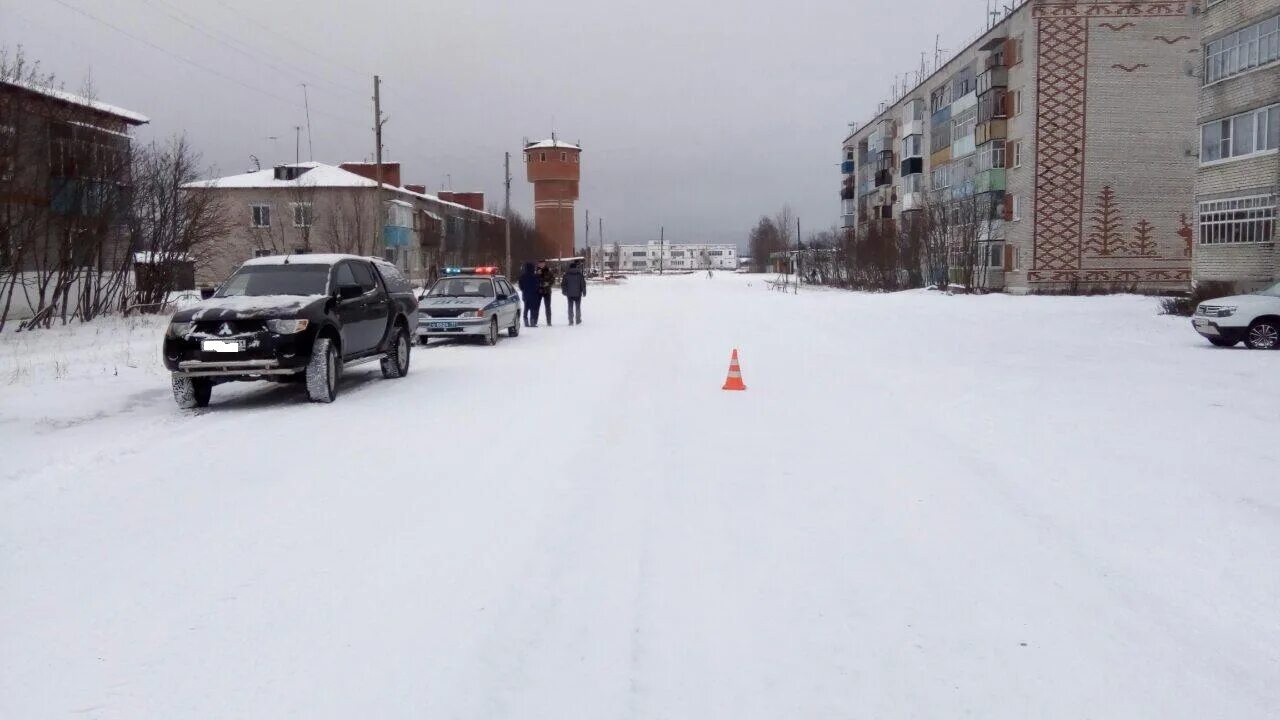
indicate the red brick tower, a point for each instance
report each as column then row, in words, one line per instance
column 554, row 170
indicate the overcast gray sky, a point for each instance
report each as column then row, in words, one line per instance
column 696, row 115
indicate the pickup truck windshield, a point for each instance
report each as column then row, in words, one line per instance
column 462, row 287
column 258, row 280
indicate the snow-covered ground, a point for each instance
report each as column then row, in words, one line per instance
column 922, row 507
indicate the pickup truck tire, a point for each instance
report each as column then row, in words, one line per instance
column 1223, row 342
column 1263, row 334
column 396, row 363
column 190, row 392
column 491, row 337
column 322, row 372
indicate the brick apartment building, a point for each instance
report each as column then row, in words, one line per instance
column 65, row 189
column 1077, row 120
column 314, row 207
column 1239, row 174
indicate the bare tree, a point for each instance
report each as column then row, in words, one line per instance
column 170, row 228
column 348, row 227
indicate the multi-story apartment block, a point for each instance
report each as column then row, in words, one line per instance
column 1239, row 174
column 313, row 207
column 656, row 256
column 1074, row 121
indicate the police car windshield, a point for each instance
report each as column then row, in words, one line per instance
column 462, row 287
column 259, row 280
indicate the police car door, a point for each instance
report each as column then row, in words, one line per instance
column 511, row 306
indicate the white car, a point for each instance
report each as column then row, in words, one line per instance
column 1255, row 319
column 469, row 302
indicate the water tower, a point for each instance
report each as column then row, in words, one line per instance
column 554, row 168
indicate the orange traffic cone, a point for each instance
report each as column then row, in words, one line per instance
column 734, row 381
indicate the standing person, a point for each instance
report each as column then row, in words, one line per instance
column 574, row 287
column 546, row 283
column 531, row 294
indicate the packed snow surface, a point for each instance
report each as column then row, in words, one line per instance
column 922, row 507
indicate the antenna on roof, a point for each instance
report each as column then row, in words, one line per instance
column 256, row 162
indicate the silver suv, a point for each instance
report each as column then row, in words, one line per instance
column 1253, row 319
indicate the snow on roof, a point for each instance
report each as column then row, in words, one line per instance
column 151, row 258
column 318, row 175
column 57, row 94
column 303, row 259
column 550, row 143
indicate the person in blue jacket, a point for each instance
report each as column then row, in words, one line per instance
column 531, row 293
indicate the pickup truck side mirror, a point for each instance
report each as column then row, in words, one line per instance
column 349, row 292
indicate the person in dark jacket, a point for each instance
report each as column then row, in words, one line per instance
column 546, row 283
column 574, row 287
column 531, row 293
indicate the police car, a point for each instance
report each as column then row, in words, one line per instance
column 469, row 302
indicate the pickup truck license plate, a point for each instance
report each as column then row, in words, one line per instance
column 222, row 346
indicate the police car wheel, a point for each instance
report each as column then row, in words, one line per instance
column 491, row 337
column 514, row 330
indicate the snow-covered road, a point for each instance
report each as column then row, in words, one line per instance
column 923, row 507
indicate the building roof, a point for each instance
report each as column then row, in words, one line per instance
column 550, row 143
column 128, row 116
column 318, row 175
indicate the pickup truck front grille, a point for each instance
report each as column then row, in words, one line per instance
column 230, row 327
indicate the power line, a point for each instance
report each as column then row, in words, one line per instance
column 186, row 60
column 240, row 15
column 247, row 51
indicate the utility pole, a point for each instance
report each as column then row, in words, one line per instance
column 297, row 144
column 662, row 250
column 378, row 121
column 507, row 215
column 306, row 103
column 601, row 234
column 586, row 239
column 798, row 273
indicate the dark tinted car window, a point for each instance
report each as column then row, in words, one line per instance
column 259, row 280
column 364, row 275
column 342, row 275
column 391, row 275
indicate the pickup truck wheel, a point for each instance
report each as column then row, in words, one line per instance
column 1263, row 335
column 191, row 393
column 396, row 363
column 322, row 372
column 491, row 338
column 1223, row 342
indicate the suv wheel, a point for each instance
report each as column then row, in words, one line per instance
column 191, row 393
column 491, row 337
column 1263, row 335
column 396, row 363
column 322, row 371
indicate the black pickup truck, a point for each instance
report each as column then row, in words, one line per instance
column 300, row 318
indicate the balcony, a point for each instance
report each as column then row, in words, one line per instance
column 848, row 220
column 848, row 167
column 941, row 157
column 912, row 201
column 913, row 166
column 996, row 77
column 396, row 236
column 970, row 100
column 884, row 177
column 847, row 192
column 991, row 130
column 990, row 181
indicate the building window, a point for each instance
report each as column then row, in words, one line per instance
column 1015, row 104
column 260, row 216
column 1238, row 220
column 991, row 156
column 543, row 157
column 1016, row 205
column 301, row 251
column 564, row 157
column 301, row 214
column 389, row 254
column 1256, row 131
column 7, row 152
column 940, row 177
column 995, row 255
column 913, row 146
column 1242, row 50
column 1014, row 156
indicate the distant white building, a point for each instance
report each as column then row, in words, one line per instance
column 654, row 256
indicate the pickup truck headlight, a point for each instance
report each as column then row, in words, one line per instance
column 181, row 329
column 287, row 327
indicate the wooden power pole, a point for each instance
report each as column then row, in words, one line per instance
column 662, row 250
column 378, row 121
column 507, row 216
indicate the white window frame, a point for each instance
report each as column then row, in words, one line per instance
column 1262, row 132
column 1237, row 53
column 1013, row 153
column 309, row 211
column 991, row 152
column 1252, row 217
column 254, row 212
column 1017, row 209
